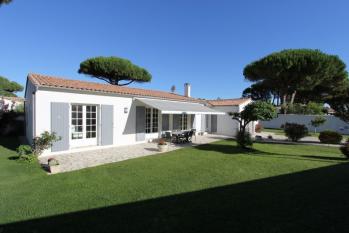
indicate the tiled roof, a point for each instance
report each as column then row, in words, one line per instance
column 55, row 82
column 228, row 102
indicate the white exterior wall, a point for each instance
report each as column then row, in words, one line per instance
column 124, row 123
column 28, row 109
column 332, row 122
column 225, row 124
column 124, row 128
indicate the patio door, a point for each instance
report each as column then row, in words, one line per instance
column 83, row 125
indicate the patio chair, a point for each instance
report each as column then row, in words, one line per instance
column 180, row 138
column 189, row 136
column 168, row 136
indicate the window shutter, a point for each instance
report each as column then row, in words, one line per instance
column 140, row 123
column 107, row 124
column 60, row 125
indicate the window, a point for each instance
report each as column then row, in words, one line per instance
column 76, row 118
column 155, row 120
column 91, row 121
column 151, row 120
column 184, row 121
column 148, row 120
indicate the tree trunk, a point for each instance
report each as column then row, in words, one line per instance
column 293, row 97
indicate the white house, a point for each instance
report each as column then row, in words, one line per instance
column 225, row 124
column 90, row 115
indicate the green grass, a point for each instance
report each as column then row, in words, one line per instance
column 210, row 188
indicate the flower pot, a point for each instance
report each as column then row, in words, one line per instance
column 54, row 169
column 162, row 148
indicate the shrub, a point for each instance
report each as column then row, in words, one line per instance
column 295, row 131
column 44, row 142
column 244, row 140
column 27, row 158
column 258, row 128
column 24, row 150
column 345, row 149
column 19, row 108
column 25, row 153
column 330, row 137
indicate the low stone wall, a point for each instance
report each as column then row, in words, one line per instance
column 332, row 122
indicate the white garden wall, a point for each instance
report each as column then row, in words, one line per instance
column 332, row 122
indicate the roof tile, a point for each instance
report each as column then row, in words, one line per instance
column 55, row 82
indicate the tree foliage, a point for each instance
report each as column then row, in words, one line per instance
column 340, row 104
column 5, row 2
column 114, row 70
column 258, row 110
column 299, row 75
column 8, row 88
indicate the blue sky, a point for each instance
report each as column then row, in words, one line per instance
column 205, row 43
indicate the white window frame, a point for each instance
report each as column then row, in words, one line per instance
column 84, row 140
column 184, row 121
column 151, row 118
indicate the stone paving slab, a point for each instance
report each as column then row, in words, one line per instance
column 79, row 160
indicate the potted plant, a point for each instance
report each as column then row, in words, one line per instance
column 53, row 165
column 162, row 145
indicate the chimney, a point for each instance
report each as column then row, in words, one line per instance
column 187, row 89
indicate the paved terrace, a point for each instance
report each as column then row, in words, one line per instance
column 79, row 160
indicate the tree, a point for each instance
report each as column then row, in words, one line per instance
column 317, row 121
column 258, row 110
column 114, row 70
column 258, row 91
column 306, row 72
column 5, row 2
column 173, row 88
column 340, row 104
column 8, row 88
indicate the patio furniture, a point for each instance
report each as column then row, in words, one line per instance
column 168, row 136
column 189, row 135
column 179, row 136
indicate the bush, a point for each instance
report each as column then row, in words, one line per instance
column 19, row 108
column 25, row 153
column 345, row 149
column 24, row 150
column 258, row 128
column 295, row 131
column 330, row 137
column 244, row 140
column 44, row 142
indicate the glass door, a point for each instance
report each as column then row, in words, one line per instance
column 83, row 125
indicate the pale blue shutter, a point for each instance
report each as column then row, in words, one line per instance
column 60, row 125
column 192, row 118
column 176, row 121
column 140, row 123
column 214, row 123
column 107, row 125
column 165, row 122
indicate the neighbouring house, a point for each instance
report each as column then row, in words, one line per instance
column 10, row 103
column 88, row 115
column 225, row 124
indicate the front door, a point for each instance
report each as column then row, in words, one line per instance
column 83, row 125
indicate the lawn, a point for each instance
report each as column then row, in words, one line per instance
column 210, row 188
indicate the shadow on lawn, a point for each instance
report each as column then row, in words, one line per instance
column 310, row 201
column 10, row 143
column 233, row 149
